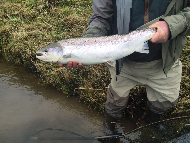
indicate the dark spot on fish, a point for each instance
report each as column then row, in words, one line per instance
column 46, row 50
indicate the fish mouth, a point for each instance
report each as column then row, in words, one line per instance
column 39, row 54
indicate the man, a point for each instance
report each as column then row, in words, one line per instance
column 160, row 70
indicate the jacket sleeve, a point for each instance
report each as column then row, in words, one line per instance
column 179, row 24
column 100, row 22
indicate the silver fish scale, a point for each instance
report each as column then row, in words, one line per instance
column 102, row 49
column 114, row 39
column 92, row 40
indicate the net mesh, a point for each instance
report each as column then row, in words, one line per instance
column 172, row 130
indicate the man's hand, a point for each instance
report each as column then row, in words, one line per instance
column 162, row 34
column 71, row 64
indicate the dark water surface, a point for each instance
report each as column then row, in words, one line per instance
column 29, row 110
column 32, row 113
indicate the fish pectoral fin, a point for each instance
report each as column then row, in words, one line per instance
column 68, row 56
column 111, row 63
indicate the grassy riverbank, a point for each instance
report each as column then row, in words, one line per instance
column 27, row 26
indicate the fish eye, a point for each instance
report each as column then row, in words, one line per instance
column 45, row 50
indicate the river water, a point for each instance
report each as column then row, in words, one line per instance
column 30, row 112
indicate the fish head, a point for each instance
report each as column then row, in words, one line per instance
column 50, row 53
